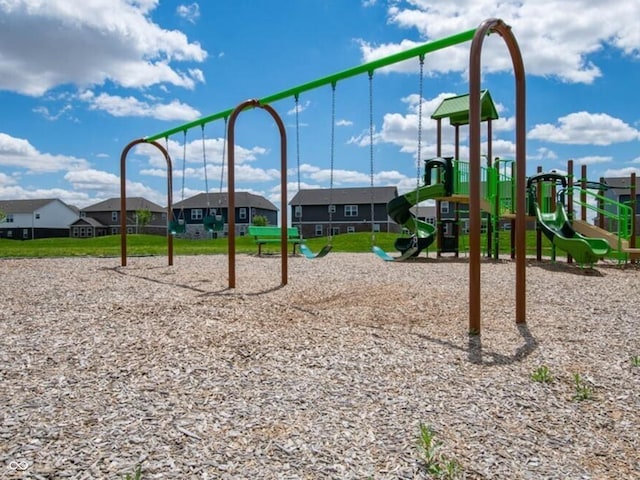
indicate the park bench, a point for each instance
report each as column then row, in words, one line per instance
column 264, row 235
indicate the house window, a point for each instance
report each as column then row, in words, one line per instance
column 335, row 230
column 351, row 210
column 376, row 227
column 9, row 218
column 242, row 213
column 332, row 209
column 25, row 233
column 114, row 231
column 431, row 220
column 318, row 230
column 351, row 229
column 444, row 207
column 75, row 231
column 114, row 216
column 129, row 229
column 37, row 216
column 447, row 228
column 9, row 233
column 212, row 211
column 297, row 211
column 507, row 226
column 483, row 225
column 196, row 214
column 83, row 214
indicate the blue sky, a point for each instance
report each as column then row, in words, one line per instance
column 80, row 80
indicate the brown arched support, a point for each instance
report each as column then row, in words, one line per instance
column 231, row 185
column 123, row 199
column 486, row 27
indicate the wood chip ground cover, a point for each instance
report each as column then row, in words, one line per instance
column 104, row 367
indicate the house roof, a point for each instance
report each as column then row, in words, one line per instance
column 133, row 203
column 456, row 109
column 341, row 196
column 88, row 221
column 28, row 206
column 622, row 185
column 221, row 200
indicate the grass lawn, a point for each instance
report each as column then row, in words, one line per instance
column 109, row 246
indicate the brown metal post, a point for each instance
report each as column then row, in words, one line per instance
column 538, row 231
column 601, row 205
column 570, row 198
column 634, row 212
column 583, row 193
column 253, row 103
column 489, row 218
column 438, row 212
column 123, row 198
column 498, row 26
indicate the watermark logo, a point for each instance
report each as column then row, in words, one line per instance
column 18, row 465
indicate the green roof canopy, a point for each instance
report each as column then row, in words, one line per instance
column 456, row 109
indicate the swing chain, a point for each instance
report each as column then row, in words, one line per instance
column 332, row 157
column 419, row 153
column 371, row 166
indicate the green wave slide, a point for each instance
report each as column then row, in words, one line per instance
column 558, row 229
column 399, row 209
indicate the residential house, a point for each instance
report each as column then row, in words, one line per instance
column 619, row 190
column 38, row 218
column 193, row 211
column 103, row 218
column 321, row 212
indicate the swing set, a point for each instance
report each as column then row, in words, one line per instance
column 476, row 36
column 212, row 221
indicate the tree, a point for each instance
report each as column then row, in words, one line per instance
column 2, row 216
column 260, row 221
column 143, row 217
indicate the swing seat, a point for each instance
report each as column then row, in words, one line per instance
column 306, row 251
column 213, row 223
column 177, row 226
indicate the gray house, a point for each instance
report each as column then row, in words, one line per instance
column 103, row 218
column 620, row 191
column 192, row 211
column 320, row 212
column 37, row 218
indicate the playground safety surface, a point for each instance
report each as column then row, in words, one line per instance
column 103, row 368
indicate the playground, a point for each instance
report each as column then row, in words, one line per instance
column 107, row 367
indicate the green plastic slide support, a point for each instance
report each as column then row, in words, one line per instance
column 351, row 72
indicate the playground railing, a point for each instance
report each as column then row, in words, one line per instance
column 462, row 177
column 616, row 217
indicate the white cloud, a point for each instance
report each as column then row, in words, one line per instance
column 593, row 160
column 621, row 172
column 20, row 154
column 102, row 40
column 584, row 128
column 191, row 13
column 538, row 34
column 132, row 107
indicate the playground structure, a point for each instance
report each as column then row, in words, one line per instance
column 550, row 202
column 476, row 36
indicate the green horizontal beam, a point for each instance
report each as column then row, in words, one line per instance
column 369, row 67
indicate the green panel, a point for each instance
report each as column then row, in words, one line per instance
column 456, row 109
